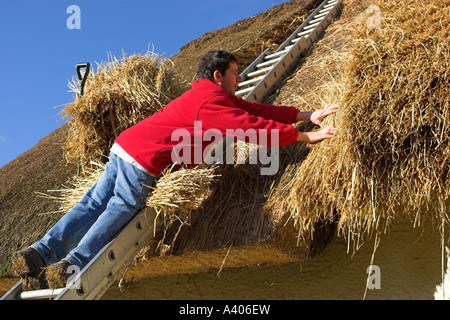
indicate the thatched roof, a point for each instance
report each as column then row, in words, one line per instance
column 389, row 159
column 390, row 155
column 23, row 217
column 26, row 215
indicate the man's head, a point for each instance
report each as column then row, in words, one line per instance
column 221, row 68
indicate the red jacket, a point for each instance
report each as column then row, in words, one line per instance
column 150, row 141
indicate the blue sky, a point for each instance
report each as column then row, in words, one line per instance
column 38, row 52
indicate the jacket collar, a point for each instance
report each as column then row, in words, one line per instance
column 206, row 84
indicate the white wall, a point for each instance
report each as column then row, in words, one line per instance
column 409, row 262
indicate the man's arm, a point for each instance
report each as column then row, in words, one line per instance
column 282, row 114
column 317, row 116
column 315, row 136
column 220, row 113
column 309, row 137
column 304, row 115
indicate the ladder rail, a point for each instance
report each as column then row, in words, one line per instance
column 252, row 65
column 311, row 17
column 274, row 77
column 294, row 48
column 14, row 292
column 101, row 272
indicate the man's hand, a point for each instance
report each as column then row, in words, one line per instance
column 312, row 137
column 318, row 115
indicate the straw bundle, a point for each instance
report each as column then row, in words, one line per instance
column 179, row 192
column 120, row 94
column 391, row 153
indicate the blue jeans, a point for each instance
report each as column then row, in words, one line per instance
column 103, row 212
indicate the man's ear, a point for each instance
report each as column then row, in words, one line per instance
column 217, row 77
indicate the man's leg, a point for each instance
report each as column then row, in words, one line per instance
column 70, row 229
column 131, row 189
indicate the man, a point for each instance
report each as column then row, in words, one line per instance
column 141, row 152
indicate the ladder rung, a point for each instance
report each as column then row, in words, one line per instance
column 268, row 63
column 325, row 10
column 288, row 47
column 276, row 54
column 316, row 20
column 254, row 80
column 40, row 294
column 259, row 72
column 301, row 34
column 312, row 26
column 243, row 91
column 330, row 4
column 321, row 15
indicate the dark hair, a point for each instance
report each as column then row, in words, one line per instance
column 212, row 61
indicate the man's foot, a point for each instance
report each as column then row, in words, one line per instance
column 57, row 274
column 30, row 267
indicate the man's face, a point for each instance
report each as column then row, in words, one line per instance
column 229, row 81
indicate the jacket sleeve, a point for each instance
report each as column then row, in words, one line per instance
column 219, row 113
column 281, row 114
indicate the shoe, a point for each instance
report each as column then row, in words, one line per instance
column 30, row 267
column 28, row 262
column 57, row 274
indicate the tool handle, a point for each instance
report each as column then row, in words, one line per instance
column 83, row 77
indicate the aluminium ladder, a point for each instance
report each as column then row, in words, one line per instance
column 264, row 74
column 93, row 281
column 261, row 77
